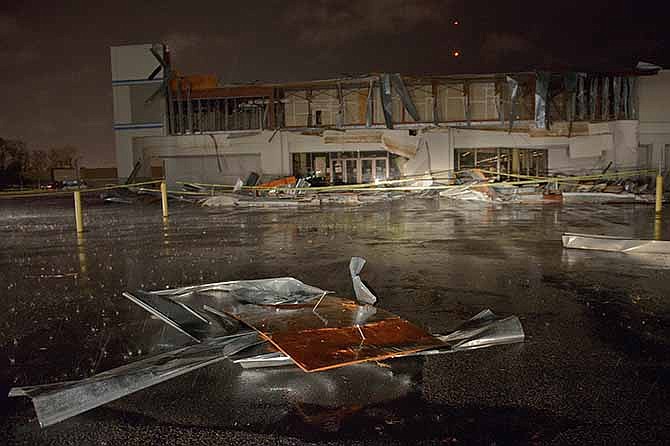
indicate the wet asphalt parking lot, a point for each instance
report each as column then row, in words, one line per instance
column 595, row 367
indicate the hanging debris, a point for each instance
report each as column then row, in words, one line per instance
column 542, row 99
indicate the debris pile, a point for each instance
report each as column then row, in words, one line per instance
column 479, row 185
column 263, row 323
column 298, row 192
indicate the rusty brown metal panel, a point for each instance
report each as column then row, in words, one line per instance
column 329, row 348
column 338, row 332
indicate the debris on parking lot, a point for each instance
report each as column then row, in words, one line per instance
column 615, row 244
column 488, row 186
column 261, row 323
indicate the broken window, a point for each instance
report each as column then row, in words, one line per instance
column 500, row 160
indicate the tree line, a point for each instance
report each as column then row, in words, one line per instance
column 19, row 165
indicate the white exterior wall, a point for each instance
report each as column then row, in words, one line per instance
column 131, row 65
column 154, row 150
column 654, row 104
column 276, row 151
column 123, row 139
column 611, row 141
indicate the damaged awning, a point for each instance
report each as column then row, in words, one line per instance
column 398, row 142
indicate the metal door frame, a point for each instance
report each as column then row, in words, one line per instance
column 374, row 167
column 359, row 167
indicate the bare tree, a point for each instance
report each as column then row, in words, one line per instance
column 63, row 157
column 13, row 160
column 38, row 165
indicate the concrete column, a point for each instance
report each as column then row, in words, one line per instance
column 516, row 165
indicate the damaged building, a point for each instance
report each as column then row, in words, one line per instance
column 362, row 129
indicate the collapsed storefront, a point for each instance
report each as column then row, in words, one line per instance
column 362, row 129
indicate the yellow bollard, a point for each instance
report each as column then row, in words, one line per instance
column 79, row 219
column 659, row 194
column 164, row 198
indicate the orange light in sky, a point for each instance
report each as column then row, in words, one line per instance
column 456, row 53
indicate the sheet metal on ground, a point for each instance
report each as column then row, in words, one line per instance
column 332, row 335
column 485, row 329
column 615, row 244
column 59, row 401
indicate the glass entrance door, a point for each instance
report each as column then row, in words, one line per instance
column 351, row 171
column 373, row 169
column 381, row 169
column 345, row 171
column 367, row 172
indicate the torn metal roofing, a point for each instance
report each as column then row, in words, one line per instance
column 284, row 327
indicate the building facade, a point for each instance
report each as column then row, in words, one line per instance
column 364, row 128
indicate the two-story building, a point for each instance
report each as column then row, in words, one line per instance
column 358, row 129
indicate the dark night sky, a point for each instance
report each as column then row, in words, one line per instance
column 54, row 59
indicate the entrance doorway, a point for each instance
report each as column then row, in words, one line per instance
column 345, row 170
column 347, row 167
column 359, row 170
column 373, row 169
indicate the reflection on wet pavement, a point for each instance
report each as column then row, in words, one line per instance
column 595, row 359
